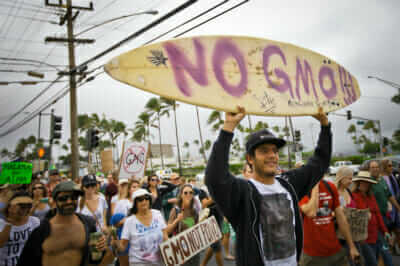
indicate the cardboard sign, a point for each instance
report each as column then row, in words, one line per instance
column 133, row 161
column 358, row 222
column 16, row 173
column 220, row 72
column 182, row 247
column 107, row 163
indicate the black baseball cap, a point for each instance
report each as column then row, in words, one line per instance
column 89, row 180
column 263, row 136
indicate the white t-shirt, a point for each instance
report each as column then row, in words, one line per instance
column 123, row 206
column 144, row 240
column 99, row 212
column 273, row 189
column 11, row 251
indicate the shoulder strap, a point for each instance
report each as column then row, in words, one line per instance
column 326, row 184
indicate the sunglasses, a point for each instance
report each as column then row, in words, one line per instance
column 389, row 165
column 154, row 179
column 140, row 199
column 66, row 197
column 34, row 188
column 90, row 185
column 188, row 192
column 25, row 205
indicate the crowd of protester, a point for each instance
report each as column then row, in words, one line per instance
column 101, row 219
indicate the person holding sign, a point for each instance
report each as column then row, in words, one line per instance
column 183, row 216
column 264, row 210
column 16, row 228
column 364, row 199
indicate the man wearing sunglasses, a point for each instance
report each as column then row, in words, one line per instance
column 62, row 239
column 16, row 228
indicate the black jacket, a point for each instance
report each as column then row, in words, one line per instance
column 32, row 253
column 239, row 199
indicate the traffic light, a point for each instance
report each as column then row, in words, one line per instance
column 297, row 135
column 385, row 141
column 92, row 138
column 349, row 116
column 55, row 127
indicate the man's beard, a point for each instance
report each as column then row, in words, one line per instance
column 260, row 172
column 66, row 210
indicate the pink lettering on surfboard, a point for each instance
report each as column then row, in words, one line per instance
column 305, row 77
column 327, row 72
column 346, row 82
column 224, row 49
column 286, row 85
column 180, row 64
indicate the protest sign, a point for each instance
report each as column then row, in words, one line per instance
column 107, row 163
column 220, row 72
column 16, row 173
column 358, row 222
column 182, row 247
column 133, row 162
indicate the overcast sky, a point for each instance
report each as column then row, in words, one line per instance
column 361, row 35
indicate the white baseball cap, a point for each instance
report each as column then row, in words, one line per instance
column 123, row 181
column 138, row 193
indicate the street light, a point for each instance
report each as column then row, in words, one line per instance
column 390, row 83
column 149, row 12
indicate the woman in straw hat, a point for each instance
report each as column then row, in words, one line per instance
column 365, row 199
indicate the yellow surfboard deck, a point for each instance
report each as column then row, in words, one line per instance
column 220, row 72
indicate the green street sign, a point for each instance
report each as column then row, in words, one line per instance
column 16, row 173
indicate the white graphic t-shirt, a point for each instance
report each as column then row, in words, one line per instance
column 144, row 240
column 277, row 225
column 123, row 206
column 99, row 212
column 11, row 251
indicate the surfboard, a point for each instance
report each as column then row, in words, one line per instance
column 220, row 72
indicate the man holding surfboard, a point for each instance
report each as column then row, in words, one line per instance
column 264, row 209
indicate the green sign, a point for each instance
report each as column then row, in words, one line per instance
column 16, row 173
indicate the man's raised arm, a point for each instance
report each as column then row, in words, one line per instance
column 218, row 180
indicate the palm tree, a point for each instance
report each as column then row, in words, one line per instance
column 215, row 120
column 172, row 104
column 186, row 145
column 141, row 130
column 155, row 106
column 200, row 135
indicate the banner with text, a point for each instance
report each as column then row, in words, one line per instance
column 16, row 173
column 182, row 247
column 134, row 160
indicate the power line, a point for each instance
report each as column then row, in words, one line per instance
column 31, row 61
column 46, row 105
column 31, row 101
column 212, row 18
column 33, row 19
column 186, row 22
column 44, row 11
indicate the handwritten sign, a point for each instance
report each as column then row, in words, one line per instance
column 182, row 247
column 134, row 160
column 107, row 163
column 358, row 222
column 220, row 72
column 16, row 173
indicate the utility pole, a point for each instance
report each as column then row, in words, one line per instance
column 69, row 17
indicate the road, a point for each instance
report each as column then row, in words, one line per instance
column 396, row 261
